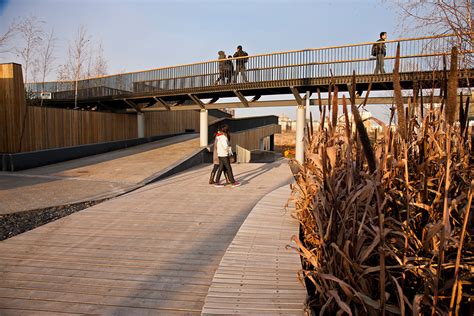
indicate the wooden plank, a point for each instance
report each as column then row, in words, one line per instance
column 108, row 283
column 24, row 312
column 86, row 289
column 55, row 306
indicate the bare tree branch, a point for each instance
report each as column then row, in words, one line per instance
column 77, row 55
column 5, row 38
column 47, row 58
column 100, row 64
column 439, row 17
column 31, row 32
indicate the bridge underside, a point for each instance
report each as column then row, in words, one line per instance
column 249, row 93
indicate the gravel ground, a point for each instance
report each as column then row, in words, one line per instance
column 17, row 223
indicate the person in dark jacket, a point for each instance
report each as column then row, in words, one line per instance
column 379, row 51
column 241, row 64
column 229, row 69
column 222, row 67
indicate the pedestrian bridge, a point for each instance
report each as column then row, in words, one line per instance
column 193, row 86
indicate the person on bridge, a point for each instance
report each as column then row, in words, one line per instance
column 229, row 69
column 222, row 67
column 224, row 151
column 241, row 64
column 379, row 51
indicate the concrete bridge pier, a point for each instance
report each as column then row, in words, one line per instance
column 300, row 123
column 140, row 124
column 203, row 128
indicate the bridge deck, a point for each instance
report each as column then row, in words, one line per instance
column 151, row 251
column 181, row 99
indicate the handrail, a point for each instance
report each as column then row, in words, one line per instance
column 417, row 54
column 258, row 55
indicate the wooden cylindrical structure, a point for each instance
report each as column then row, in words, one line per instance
column 12, row 107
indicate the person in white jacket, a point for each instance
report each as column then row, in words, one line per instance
column 224, row 151
column 215, row 161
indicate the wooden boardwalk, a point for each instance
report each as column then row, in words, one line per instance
column 257, row 275
column 152, row 251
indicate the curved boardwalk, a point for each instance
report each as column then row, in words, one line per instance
column 152, row 251
column 257, row 275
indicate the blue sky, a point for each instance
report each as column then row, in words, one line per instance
column 145, row 34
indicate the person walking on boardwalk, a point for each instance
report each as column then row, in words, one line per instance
column 215, row 161
column 222, row 67
column 224, row 151
column 241, row 64
column 379, row 51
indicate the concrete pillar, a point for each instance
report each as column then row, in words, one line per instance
column 300, row 123
column 141, row 124
column 203, row 128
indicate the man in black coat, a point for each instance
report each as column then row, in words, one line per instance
column 240, row 64
column 379, row 51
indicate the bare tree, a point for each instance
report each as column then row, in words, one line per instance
column 88, row 69
column 5, row 38
column 46, row 59
column 31, row 32
column 77, row 56
column 100, row 64
column 96, row 63
column 439, row 17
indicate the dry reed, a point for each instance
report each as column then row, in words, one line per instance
column 387, row 231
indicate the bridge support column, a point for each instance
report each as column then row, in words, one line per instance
column 141, row 124
column 300, row 122
column 203, row 128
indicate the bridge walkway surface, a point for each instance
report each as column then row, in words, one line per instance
column 152, row 251
column 92, row 178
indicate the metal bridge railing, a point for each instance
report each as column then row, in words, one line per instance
column 417, row 54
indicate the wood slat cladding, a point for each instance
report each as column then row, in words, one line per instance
column 167, row 122
column 53, row 128
column 12, row 106
column 250, row 139
column 159, row 123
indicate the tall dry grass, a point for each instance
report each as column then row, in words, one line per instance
column 386, row 226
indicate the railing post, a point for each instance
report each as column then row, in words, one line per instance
column 203, row 128
column 140, row 124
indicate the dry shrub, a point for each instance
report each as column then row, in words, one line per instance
column 397, row 240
